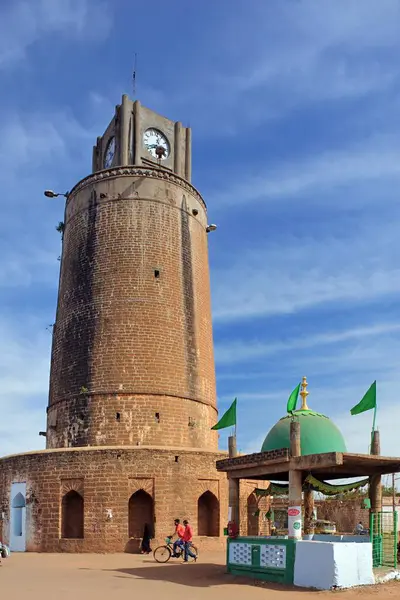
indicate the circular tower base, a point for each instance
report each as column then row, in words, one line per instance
column 99, row 499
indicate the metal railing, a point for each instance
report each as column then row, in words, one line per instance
column 384, row 538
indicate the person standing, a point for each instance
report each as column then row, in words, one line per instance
column 188, row 538
column 147, row 535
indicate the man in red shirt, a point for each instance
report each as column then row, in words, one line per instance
column 179, row 531
column 187, row 538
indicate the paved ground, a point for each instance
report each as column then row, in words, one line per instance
column 127, row 576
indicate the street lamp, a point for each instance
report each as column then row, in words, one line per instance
column 211, row 227
column 51, row 194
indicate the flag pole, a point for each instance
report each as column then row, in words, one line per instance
column 373, row 427
column 374, row 421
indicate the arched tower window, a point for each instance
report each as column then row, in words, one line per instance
column 208, row 515
column 141, row 511
column 72, row 515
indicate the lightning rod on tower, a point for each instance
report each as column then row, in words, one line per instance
column 134, row 75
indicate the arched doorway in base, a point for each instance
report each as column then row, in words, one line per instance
column 72, row 515
column 208, row 515
column 18, row 518
column 140, row 511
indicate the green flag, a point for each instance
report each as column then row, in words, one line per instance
column 228, row 419
column 292, row 402
column 367, row 403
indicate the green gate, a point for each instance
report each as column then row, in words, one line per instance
column 383, row 534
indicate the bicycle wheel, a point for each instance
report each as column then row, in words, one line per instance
column 162, row 554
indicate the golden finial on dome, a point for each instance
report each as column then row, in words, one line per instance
column 304, row 394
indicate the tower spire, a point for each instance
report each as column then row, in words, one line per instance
column 304, row 394
column 134, row 76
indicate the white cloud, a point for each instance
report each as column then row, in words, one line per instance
column 30, row 145
column 372, row 159
column 22, row 269
column 23, row 22
column 30, row 139
column 296, row 54
column 315, row 47
column 283, row 277
column 234, row 352
column 24, row 373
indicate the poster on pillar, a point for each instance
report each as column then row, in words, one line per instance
column 294, row 522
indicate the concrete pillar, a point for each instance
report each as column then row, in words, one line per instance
column 308, row 511
column 375, row 497
column 97, row 156
column 234, row 500
column 94, row 159
column 137, row 134
column 188, row 155
column 295, row 441
column 295, row 485
column 375, row 485
column 178, row 155
column 233, row 489
column 232, row 448
column 124, row 130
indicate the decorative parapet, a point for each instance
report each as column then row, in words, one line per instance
column 136, row 172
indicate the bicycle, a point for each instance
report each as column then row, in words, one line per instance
column 162, row 554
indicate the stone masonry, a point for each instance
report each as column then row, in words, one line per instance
column 132, row 394
column 107, row 478
column 132, row 359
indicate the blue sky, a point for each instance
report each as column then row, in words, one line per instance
column 295, row 111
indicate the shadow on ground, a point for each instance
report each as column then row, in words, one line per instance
column 197, row 575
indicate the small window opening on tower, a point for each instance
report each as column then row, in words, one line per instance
column 157, row 417
column 176, row 458
column 157, row 273
column 191, row 422
column 117, row 416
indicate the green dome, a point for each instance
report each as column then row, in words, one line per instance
column 317, row 434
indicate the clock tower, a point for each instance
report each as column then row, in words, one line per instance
column 138, row 136
column 132, row 394
column 132, row 359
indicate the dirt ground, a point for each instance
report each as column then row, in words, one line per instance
column 127, row 576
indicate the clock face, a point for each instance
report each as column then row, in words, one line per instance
column 156, row 143
column 110, row 152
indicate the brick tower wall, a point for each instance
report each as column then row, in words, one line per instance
column 169, row 483
column 132, row 357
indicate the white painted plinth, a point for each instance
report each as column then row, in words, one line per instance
column 324, row 565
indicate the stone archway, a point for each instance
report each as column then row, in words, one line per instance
column 208, row 515
column 18, row 517
column 72, row 516
column 140, row 511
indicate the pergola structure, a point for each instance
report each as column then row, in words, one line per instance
column 277, row 465
column 287, row 465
